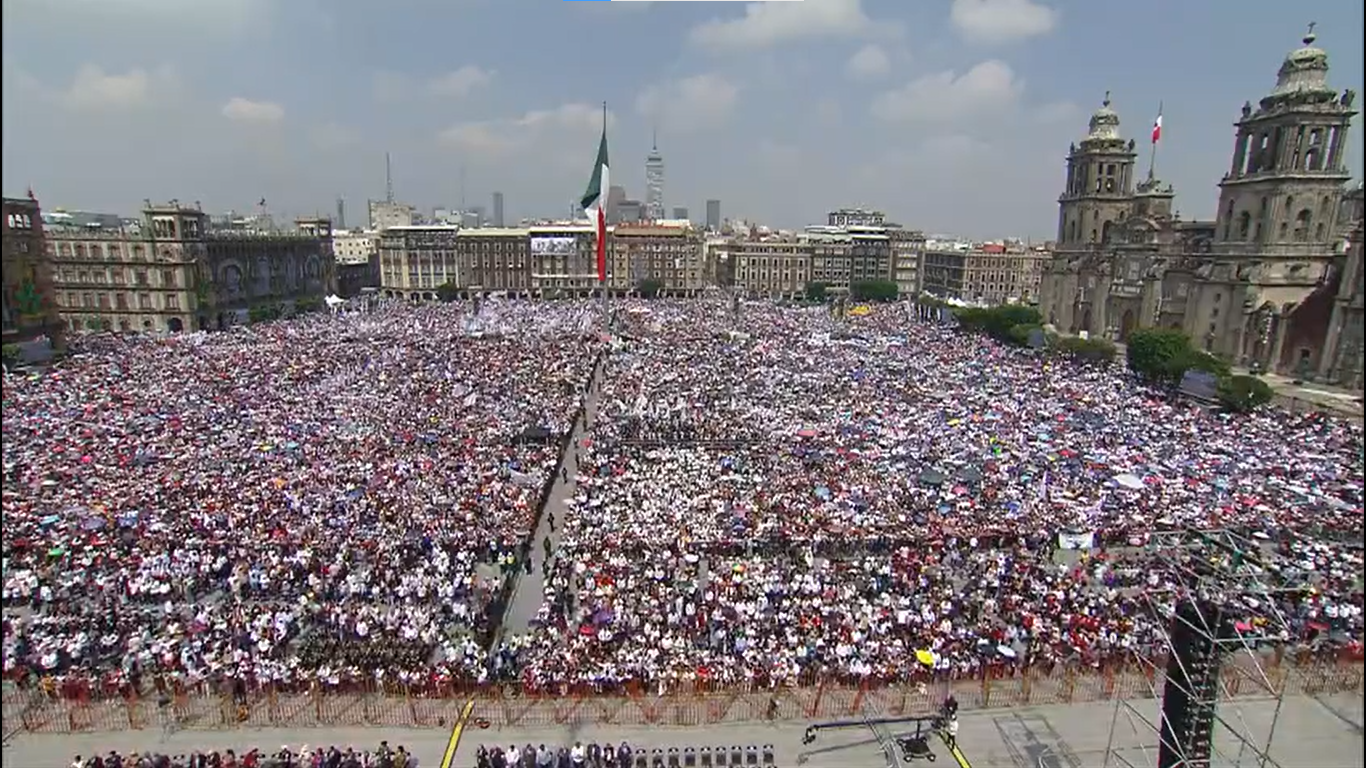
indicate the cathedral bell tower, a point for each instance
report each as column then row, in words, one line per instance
column 1288, row 171
column 1100, row 178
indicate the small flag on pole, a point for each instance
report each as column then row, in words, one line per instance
column 1157, row 125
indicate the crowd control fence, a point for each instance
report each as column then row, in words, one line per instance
column 76, row 707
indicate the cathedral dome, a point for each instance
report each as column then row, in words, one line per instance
column 1104, row 122
column 1304, row 70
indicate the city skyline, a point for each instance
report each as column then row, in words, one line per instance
column 952, row 117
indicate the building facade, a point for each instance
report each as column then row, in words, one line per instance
column 713, row 215
column 654, row 185
column 416, row 260
column 386, row 213
column 856, row 217
column 1256, row 286
column 908, row 250
column 999, row 273
column 564, row 260
column 494, row 260
column 943, row 272
column 171, row 273
column 1343, row 349
column 842, row 256
column 669, row 255
column 29, row 302
column 778, row 268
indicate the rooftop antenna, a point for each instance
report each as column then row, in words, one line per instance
column 388, row 180
column 654, row 139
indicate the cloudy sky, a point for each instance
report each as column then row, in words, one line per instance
column 951, row 115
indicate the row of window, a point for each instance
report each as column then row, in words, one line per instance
column 19, row 221
column 122, row 302
column 119, row 276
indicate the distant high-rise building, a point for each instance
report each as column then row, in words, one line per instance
column 680, row 213
column 654, row 183
column 498, row 209
column 616, row 194
column 713, row 214
column 630, row 212
column 341, row 213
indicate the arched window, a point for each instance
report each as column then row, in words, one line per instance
column 1072, row 231
column 1105, row 231
column 1319, row 232
column 1302, row 222
column 1244, row 225
column 1228, row 220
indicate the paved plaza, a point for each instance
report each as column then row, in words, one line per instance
column 1310, row 733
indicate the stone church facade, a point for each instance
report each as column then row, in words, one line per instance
column 1261, row 283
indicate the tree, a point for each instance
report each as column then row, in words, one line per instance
column 1242, row 394
column 649, row 288
column 447, row 291
column 815, row 291
column 873, row 290
column 1159, row 354
column 9, row 354
column 1085, row 350
column 305, row 304
column 998, row 322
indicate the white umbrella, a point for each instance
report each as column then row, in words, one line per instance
column 1132, row 482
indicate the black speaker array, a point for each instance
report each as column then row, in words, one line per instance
column 1192, row 685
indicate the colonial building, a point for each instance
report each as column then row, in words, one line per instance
column 494, row 260
column 999, row 273
column 564, row 260
column 415, row 260
column 1258, row 284
column 842, row 256
column 774, row 267
column 943, row 272
column 29, row 305
column 1341, row 362
column 908, row 249
column 169, row 272
column 670, row 255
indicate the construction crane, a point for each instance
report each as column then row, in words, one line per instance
column 912, row 746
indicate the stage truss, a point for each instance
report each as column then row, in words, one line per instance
column 1231, row 570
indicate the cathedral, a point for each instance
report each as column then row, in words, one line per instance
column 1266, row 283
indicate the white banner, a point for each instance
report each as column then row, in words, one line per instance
column 553, row 246
column 1077, row 540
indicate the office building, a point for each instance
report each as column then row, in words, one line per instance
column 669, row 255
column 714, row 215
column 680, row 213
column 498, row 210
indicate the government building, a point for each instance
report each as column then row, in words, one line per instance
column 1262, row 283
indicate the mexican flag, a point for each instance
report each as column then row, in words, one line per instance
column 595, row 201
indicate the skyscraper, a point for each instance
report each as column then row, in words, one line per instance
column 680, row 213
column 713, row 214
column 654, row 183
column 498, row 209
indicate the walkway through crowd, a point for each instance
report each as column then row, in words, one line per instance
column 529, row 593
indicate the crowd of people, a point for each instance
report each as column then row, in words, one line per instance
column 767, row 494
column 777, row 495
column 305, row 756
column 317, row 500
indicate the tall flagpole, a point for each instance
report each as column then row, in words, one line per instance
column 1152, row 155
column 602, row 277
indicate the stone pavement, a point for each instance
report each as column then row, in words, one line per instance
column 529, row 592
column 1308, row 735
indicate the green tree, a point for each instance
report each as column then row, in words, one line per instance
column 873, row 290
column 1244, row 393
column 9, row 354
column 447, row 291
column 1159, row 354
column 815, row 291
column 998, row 322
column 1085, row 350
column 305, row 304
column 649, row 288
column 1019, row 334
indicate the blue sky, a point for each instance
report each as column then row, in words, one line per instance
column 951, row 115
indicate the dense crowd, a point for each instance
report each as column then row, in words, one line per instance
column 305, row 756
column 312, row 500
column 766, row 495
column 780, row 495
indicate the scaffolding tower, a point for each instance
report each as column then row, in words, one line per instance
column 1222, row 575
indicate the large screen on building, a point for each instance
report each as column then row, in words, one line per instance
column 553, row 246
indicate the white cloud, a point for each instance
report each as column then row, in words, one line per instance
column 499, row 137
column 94, row 89
column 773, row 23
column 996, row 21
column 243, row 110
column 945, row 97
column 870, row 62
column 692, row 103
column 461, row 82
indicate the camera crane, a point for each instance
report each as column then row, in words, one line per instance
column 912, row 746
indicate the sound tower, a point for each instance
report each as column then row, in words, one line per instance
column 1192, row 685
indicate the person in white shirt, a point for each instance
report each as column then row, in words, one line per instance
column 577, row 753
